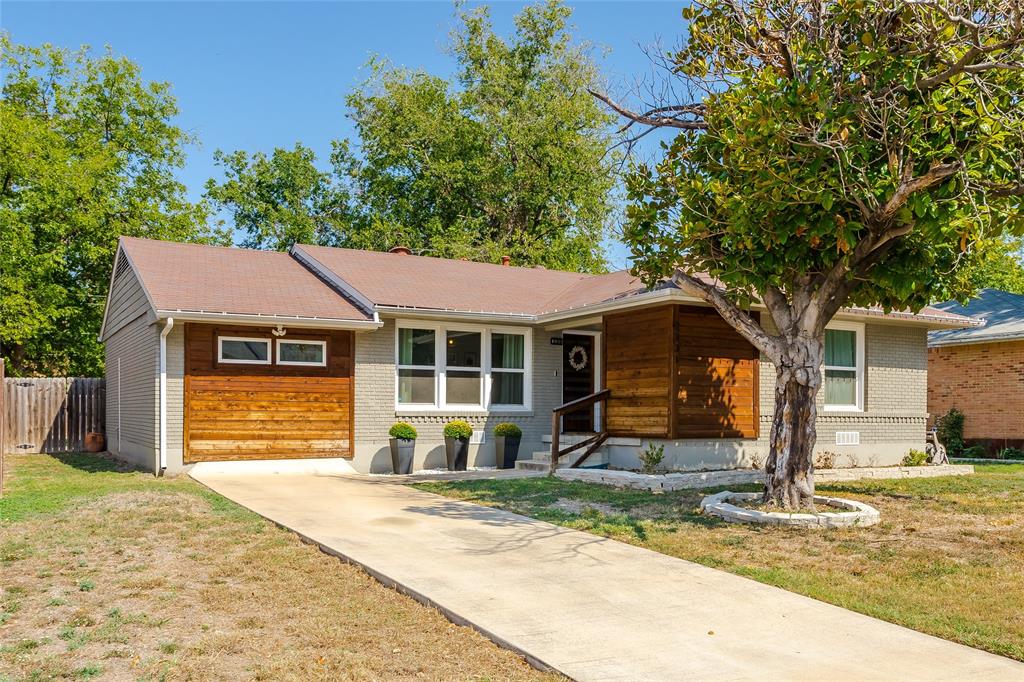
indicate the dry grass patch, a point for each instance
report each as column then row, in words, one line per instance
column 947, row 558
column 167, row 580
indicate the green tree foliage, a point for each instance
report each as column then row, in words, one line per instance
column 87, row 153
column 998, row 264
column 511, row 159
column 833, row 153
column 283, row 199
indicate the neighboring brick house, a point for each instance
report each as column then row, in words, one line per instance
column 220, row 354
column 980, row 370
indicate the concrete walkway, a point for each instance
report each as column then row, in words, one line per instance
column 591, row 608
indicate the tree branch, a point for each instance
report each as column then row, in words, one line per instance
column 740, row 320
column 652, row 119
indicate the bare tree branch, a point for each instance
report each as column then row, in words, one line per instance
column 653, row 119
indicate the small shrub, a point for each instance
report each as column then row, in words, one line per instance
column 951, row 432
column 402, row 431
column 825, row 460
column 458, row 428
column 508, row 430
column 756, row 461
column 852, row 460
column 650, row 457
column 915, row 458
column 973, row 452
column 86, row 586
column 1011, row 453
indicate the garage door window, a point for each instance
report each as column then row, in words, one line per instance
column 304, row 353
column 237, row 350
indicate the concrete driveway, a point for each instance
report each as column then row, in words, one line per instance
column 591, row 608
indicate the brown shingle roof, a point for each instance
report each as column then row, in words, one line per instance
column 391, row 279
column 199, row 278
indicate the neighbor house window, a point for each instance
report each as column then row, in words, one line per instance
column 459, row 367
column 299, row 352
column 243, row 351
column 844, row 367
column 417, row 370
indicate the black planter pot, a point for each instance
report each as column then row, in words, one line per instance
column 506, row 451
column 402, row 450
column 456, row 451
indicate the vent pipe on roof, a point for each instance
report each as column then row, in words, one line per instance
column 401, row 250
column 506, row 260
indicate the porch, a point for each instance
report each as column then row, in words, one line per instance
column 673, row 373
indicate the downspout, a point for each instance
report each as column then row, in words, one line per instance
column 163, row 395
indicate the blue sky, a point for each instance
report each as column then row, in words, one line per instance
column 255, row 75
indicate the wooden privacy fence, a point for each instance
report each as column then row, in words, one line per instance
column 51, row 415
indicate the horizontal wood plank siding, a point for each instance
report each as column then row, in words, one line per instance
column 716, row 391
column 236, row 412
column 637, row 370
column 679, row 372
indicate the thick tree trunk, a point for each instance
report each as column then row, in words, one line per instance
column 789, row 470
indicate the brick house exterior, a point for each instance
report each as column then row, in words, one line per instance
column 980, row 371
column 218, row 355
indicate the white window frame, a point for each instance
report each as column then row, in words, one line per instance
column 221, row 360
column 301, row 342
column 440, row 403
column 858, row 329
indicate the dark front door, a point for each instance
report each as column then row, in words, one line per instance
column 577, row 379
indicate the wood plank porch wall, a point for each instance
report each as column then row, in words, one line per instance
column 266, row 411
column 679, row 371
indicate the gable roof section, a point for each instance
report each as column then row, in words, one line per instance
column 421, row 282
column 1002, row 311
column 196, row 279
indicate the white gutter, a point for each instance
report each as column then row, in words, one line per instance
column 168, row 325
column 444, row 313
column 273, row 320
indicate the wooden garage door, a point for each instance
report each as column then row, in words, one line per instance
column 237, row 412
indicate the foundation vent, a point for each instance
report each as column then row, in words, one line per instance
column 847, row 437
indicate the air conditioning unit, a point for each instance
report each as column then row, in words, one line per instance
column 847, row 437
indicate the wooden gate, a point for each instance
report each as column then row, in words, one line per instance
column 51, row 415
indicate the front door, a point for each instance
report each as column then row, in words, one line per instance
column 577, row 379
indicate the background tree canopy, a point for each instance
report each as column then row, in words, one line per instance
column 87, row 153
column 511, row 159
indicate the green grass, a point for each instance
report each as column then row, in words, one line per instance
column 48, row 484
column 947, row 559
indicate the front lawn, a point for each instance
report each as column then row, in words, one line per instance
column 114, row 574
column 947, row 558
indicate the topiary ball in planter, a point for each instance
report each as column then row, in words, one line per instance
column 403, row 447
column 507, row 437
column 456, row 444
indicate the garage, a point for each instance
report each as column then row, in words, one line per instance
column 267, row 393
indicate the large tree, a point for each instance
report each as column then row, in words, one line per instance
column 88, row 151
column 509, row 158
column 829, row 153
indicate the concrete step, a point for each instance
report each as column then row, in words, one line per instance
column 532, row 465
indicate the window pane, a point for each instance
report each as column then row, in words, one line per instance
column 840, row 348
column 463, row 388
column 507, row 351
column 301, row 352
column 252, row 351
column 463, row 350
column 416, row 386
column 840, row 387
column 506, row 388
column 416, row 347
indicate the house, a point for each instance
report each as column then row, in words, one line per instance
column 217, row 354
column 980, row 370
